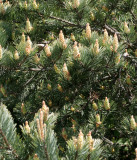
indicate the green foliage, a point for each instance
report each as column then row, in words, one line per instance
column 10, row 143
column 38, row 63
column 33, row 143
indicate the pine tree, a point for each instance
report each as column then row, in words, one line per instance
column 79, row 56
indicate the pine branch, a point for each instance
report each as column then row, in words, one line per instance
column 4, row 138
column 46, row 152
column 61, row 20
column 130, row 45
column 107, row 141
column 30, row 80
column 23, row 61
column 6, row 142
column 76, row 155
column 24, row 70
column 132, row 59
column 1, row 147
column 35, row 69
column 88, row 158
column 65, row 21
column 112, row 30
column 134, row 16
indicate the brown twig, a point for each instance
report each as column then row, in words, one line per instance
column 112, row 30
column 46, row 152
column 23, row 61
column 88, row 157
column 76, row 155
column 30, row 80
column 6, row 142
column 133, row 16
column 5, row 139
column 107, row 141
column 68, row 22
column 61, row 20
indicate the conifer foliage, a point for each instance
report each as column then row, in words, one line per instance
column 79, row 58
column 40, row 140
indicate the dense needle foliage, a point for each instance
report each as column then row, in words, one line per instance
column 68, row 71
